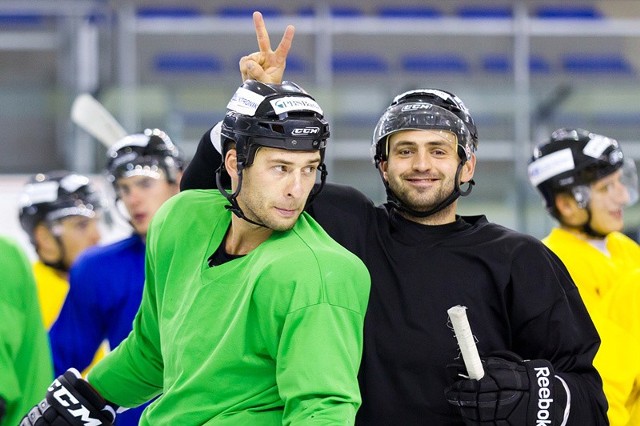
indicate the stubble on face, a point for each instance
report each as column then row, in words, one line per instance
column 263, row 198
column 421, row 185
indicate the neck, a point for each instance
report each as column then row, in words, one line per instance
column 243, row 237
column 442, row 217
column 56, row 269
column 579, row 232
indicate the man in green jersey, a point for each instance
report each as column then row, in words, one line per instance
column 251, row 313
column 25, row 359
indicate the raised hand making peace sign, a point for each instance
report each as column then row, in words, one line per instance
column 266, row 65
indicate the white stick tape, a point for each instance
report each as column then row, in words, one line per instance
column 466, row 341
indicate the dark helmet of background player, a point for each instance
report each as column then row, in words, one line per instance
column 280, row 116
column 49, row 197
column 426, row 109
column 571, row 160
column 144, row 154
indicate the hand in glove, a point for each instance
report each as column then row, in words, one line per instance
column 513, row 392
column 71, row 401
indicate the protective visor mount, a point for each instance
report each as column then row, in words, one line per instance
column 419, row 116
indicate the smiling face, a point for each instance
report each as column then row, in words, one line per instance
column 276, row 186
column 604, row 212
column 609, row 196
column 421, row 169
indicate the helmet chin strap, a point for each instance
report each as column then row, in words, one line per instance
column 232, row 198
column 59, row 264
column 234, row 207
column 586, row 227
column 457, row 192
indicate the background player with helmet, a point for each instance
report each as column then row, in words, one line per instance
column 251, row 313
column 586, row 182
column 59, row 212
column 423, row 259
column 107, row 281
column 25, row 359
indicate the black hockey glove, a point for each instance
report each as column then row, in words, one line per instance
column 71, row 401
column 512, row 392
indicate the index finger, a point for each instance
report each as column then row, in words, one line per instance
column 261, row 33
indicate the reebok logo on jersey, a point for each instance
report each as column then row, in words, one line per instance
column 74, row 407
column 543, row 416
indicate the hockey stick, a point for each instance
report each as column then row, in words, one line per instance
column 466, row 341
column 92, row 117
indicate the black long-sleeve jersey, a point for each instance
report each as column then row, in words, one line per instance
column 519, row 296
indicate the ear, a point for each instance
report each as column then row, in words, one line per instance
column 468, row 169
column 178, row 179
column 384, row 165
column 566, row 205
column 42, row 235
column 46, row 244
column 231, row 165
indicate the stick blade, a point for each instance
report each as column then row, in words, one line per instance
column 93, row 117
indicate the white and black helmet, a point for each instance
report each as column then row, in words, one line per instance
column 144, row 154
column 50, row 197
column 571, row 160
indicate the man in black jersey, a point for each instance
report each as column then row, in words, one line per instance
column 424, row 258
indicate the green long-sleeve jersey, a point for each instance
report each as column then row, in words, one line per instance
column 25, row 358
column 273, row 337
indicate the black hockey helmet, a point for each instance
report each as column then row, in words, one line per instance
column 425, row 109
column 49, row 197
column 281, row 116
column 571, row 160
column 144, row 154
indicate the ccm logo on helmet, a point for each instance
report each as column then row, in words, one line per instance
column 416, row 107
column 306, row 131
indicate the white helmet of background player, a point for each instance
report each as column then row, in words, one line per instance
column 144, row 154
column 570, row 161
column 48, row 198
column 280, row 116
column 426, row 109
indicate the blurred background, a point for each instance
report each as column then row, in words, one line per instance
column 523, row 67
